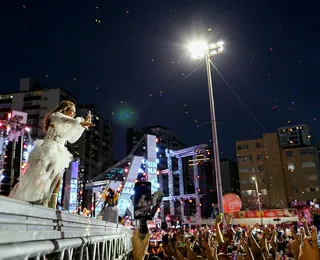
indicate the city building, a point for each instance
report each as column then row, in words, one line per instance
column 229, row 176
column 166, row 140
column 36, row 100
column 294, row 136
column 95, row 147
column 207, row 180
column 284, row 166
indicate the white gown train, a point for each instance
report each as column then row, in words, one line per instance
column 48, row 159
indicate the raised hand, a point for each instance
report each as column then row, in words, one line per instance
column 294, row 246
column 309, row 250
column 86, row 124
column 139, row 246
column 88, row 117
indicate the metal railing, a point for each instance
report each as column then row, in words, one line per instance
column 34, row 232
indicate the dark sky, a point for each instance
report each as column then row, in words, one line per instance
column 130, row 59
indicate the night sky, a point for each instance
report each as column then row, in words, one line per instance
column 130, row 58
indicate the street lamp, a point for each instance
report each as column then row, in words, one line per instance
column 202, row 50
column 257, row 191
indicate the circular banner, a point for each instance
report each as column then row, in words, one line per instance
column 231, row 203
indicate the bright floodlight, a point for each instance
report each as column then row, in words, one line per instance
column 253, row 178
column 220, row 44
column 198, row 49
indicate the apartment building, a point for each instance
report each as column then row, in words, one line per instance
column 36, row 100
column 95, row 147
column 285, row 167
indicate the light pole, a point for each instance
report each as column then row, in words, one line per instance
column 257, row 191
column 200, row 50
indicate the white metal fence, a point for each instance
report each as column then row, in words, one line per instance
column 35, row 232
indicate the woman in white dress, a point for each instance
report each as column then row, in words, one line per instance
column 40, row 184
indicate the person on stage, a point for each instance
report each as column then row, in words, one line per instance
column 41, row 182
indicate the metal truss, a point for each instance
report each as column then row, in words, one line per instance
column 190, row 151
column 128, row 159
column 183, row 197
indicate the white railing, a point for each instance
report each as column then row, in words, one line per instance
column 29, row 231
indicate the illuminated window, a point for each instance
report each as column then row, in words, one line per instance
column 264, row 192
column 291, row 167
column 312, row 177
column 245, row 170
column 245, row 158
column 248, row 193
column 308, row 164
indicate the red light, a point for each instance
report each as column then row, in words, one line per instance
column 0, row 124
column 25, row 146
column 126, row 170
column 92, row 208
column 157, row 140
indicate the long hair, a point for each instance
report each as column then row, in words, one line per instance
column 63, row 106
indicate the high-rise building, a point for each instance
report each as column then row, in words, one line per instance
column 294, row 136
column 284, row 171
column 95, row 147
column 229, row 176
column 36, row 100
column 166, row 140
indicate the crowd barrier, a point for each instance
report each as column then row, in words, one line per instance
column 34, row 232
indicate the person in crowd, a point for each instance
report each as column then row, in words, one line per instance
column 110, row 210
column 237, row 243
column 85, row 212
column 41, row 182
column 168, row 221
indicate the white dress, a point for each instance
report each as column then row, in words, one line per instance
column 48, row 159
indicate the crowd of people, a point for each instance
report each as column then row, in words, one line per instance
column 284, row 241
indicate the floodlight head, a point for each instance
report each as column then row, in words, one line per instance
column 220, row 44
column 253, row 178
column 198, row 49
